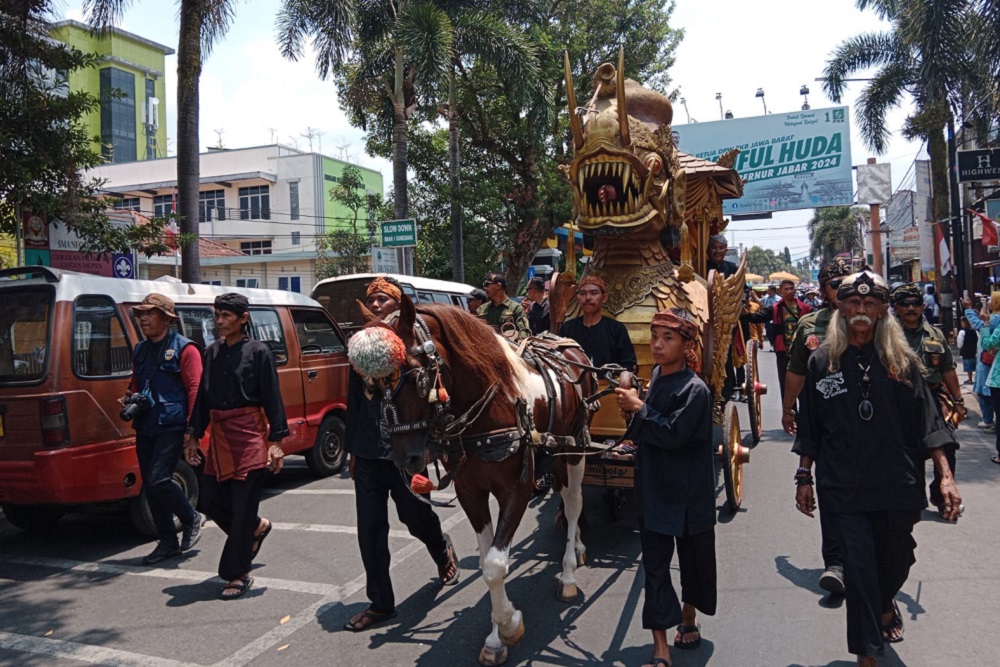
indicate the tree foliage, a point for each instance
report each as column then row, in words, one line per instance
column 834, row 230
column 764, row 261
column 43, row 144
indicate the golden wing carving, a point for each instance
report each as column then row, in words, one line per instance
column 727, row 303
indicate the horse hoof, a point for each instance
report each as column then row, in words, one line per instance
column 493, row 656
column 567, row 593
column 581, row 558
column 515, row 638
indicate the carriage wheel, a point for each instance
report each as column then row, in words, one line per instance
column 733, row 455
column 753, row 391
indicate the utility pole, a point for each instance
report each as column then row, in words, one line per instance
column 876, row 232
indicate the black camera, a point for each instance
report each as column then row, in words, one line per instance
column 134, row 404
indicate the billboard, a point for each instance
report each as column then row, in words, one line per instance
column 789, row 161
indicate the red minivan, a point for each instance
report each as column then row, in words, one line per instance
column 66, row 343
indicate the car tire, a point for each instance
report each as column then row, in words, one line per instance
column 184, row 477
column 326, row 457
column 33, row 517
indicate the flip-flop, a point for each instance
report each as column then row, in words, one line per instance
column 995, row 459
column 452, row 560
column 367, row 619
column 240, row 588
column 895, row 626
column 657, row 662
column 686, row 630
column 258, row 540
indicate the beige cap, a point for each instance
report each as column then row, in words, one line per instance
column 154, row 300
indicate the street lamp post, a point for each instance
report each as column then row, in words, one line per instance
column 718, row 97
column 804, row 92
column 760, row 94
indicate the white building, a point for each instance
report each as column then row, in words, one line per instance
column 268, row 202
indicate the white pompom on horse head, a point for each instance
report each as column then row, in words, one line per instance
column 376, row 352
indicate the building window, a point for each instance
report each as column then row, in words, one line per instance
column 255, row 247
column 296, row 238
column 127, row 204
column 255, row 203
column 151, row 123
column 209, row 201
column 118, row 138
column 246, row 282
column 290, row 284
column 293, row 200
column 163, row 205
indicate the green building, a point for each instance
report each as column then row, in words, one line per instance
column 132, row 120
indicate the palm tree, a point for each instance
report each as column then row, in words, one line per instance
column 422, row 43
column 925, row 55
column 202, row 23
column 834, row 230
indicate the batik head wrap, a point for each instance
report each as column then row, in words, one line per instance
column 683, row 322
column 864, row 283
column 233, row 302
column 383, row 285
column 593, row 280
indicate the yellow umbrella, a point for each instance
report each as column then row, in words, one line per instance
column 783, row 275
column 754, row 278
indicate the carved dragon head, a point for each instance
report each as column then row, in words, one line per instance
column 625, row 163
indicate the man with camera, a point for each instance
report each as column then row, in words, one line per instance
column 166, row 371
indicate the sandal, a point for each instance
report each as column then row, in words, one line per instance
column 452, row 564
column 657, row 662
column 258, row 540
column 367, row 619
column 243, row 585
column 995, row 459
column 691, row 643
column 892, row 632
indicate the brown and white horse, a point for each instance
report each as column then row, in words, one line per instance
column 464, row 396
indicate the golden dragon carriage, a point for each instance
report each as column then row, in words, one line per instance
column 651, row 210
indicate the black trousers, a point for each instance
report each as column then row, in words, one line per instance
column 878, row 553
column 374, row 481
column 781, row 358
column 830, row 532
column 696, row 558
column 233, row 505
column 158, row 455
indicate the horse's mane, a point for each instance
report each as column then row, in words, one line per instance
column 476, row 343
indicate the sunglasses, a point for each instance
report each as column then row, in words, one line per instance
column 487, row 284
column 910, row 303
column 835, row 284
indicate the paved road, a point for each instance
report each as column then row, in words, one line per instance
column 78, row 596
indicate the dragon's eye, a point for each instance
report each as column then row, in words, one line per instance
column 653, row 163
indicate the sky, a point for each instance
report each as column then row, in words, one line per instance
column 255, row 96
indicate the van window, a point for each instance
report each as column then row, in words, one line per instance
column 198, row 324
column 24, row 333
column 316, row 332
column 266, row 326
column 100, row 347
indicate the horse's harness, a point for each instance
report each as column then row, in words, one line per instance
column 448, row 437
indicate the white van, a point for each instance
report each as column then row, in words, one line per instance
column 340, row 295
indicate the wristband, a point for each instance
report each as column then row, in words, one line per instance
column 789, row 411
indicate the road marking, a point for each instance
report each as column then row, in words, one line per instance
column 327, row 528
column 280, row 633
column 95, row 655
column 331, row 594
column 336, row 492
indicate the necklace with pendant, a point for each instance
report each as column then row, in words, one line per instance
column 865, row 409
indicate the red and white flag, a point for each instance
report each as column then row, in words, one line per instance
column 944, row 252
column 990, row 236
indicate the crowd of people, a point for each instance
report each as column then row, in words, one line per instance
column 869, row 388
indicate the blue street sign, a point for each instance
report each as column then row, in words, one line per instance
column 123, row 265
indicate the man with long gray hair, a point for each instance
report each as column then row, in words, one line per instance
column 868, row 420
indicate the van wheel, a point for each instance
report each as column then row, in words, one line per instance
column 327, row 456
column 33, row 517
column 142, row 518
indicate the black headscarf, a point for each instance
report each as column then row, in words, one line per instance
column 233, row 302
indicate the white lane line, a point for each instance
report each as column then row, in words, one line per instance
column 95, row 655
column 344, row 530
column 337, row 492
column 280, row 633
column 175, row 575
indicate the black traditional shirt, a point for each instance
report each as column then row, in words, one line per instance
column 866, row 466
column 363, row 435
column 675, row 477
column 606, row 342
column 239, row 376
column 538, row 317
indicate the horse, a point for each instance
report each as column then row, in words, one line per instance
column 464, row 396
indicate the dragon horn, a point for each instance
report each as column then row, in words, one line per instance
column 574, row 118
column 622, row 109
